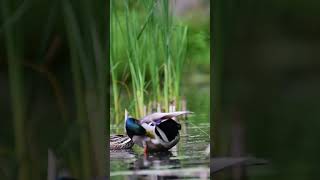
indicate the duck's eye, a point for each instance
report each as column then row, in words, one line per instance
column 151, row 124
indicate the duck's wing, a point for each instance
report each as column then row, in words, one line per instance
column 117, row 137
column 155, row 117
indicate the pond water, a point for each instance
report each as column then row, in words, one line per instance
column 187, row 160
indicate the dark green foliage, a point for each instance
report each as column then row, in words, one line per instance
column 54, row 67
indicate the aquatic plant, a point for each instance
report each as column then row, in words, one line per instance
column 154, row 45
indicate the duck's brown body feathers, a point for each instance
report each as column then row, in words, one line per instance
column 118, row 142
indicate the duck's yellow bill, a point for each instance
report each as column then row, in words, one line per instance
column 149, row 134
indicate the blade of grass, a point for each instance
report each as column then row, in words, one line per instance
column 16, row 88
column 79, row 94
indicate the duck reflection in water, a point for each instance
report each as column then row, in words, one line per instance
column 154, row 161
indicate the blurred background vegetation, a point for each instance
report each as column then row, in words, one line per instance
column 266, row 82
column 53, row 88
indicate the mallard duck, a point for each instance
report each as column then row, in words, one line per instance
column 155, row 132
column 118, row 142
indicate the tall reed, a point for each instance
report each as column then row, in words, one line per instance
column 15, row 53
column 89, row 74
column 155, row 47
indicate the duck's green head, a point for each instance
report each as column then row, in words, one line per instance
column 133, row 128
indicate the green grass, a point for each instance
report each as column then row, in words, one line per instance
column 148, row 48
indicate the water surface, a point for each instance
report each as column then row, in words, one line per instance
column 187, row 160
